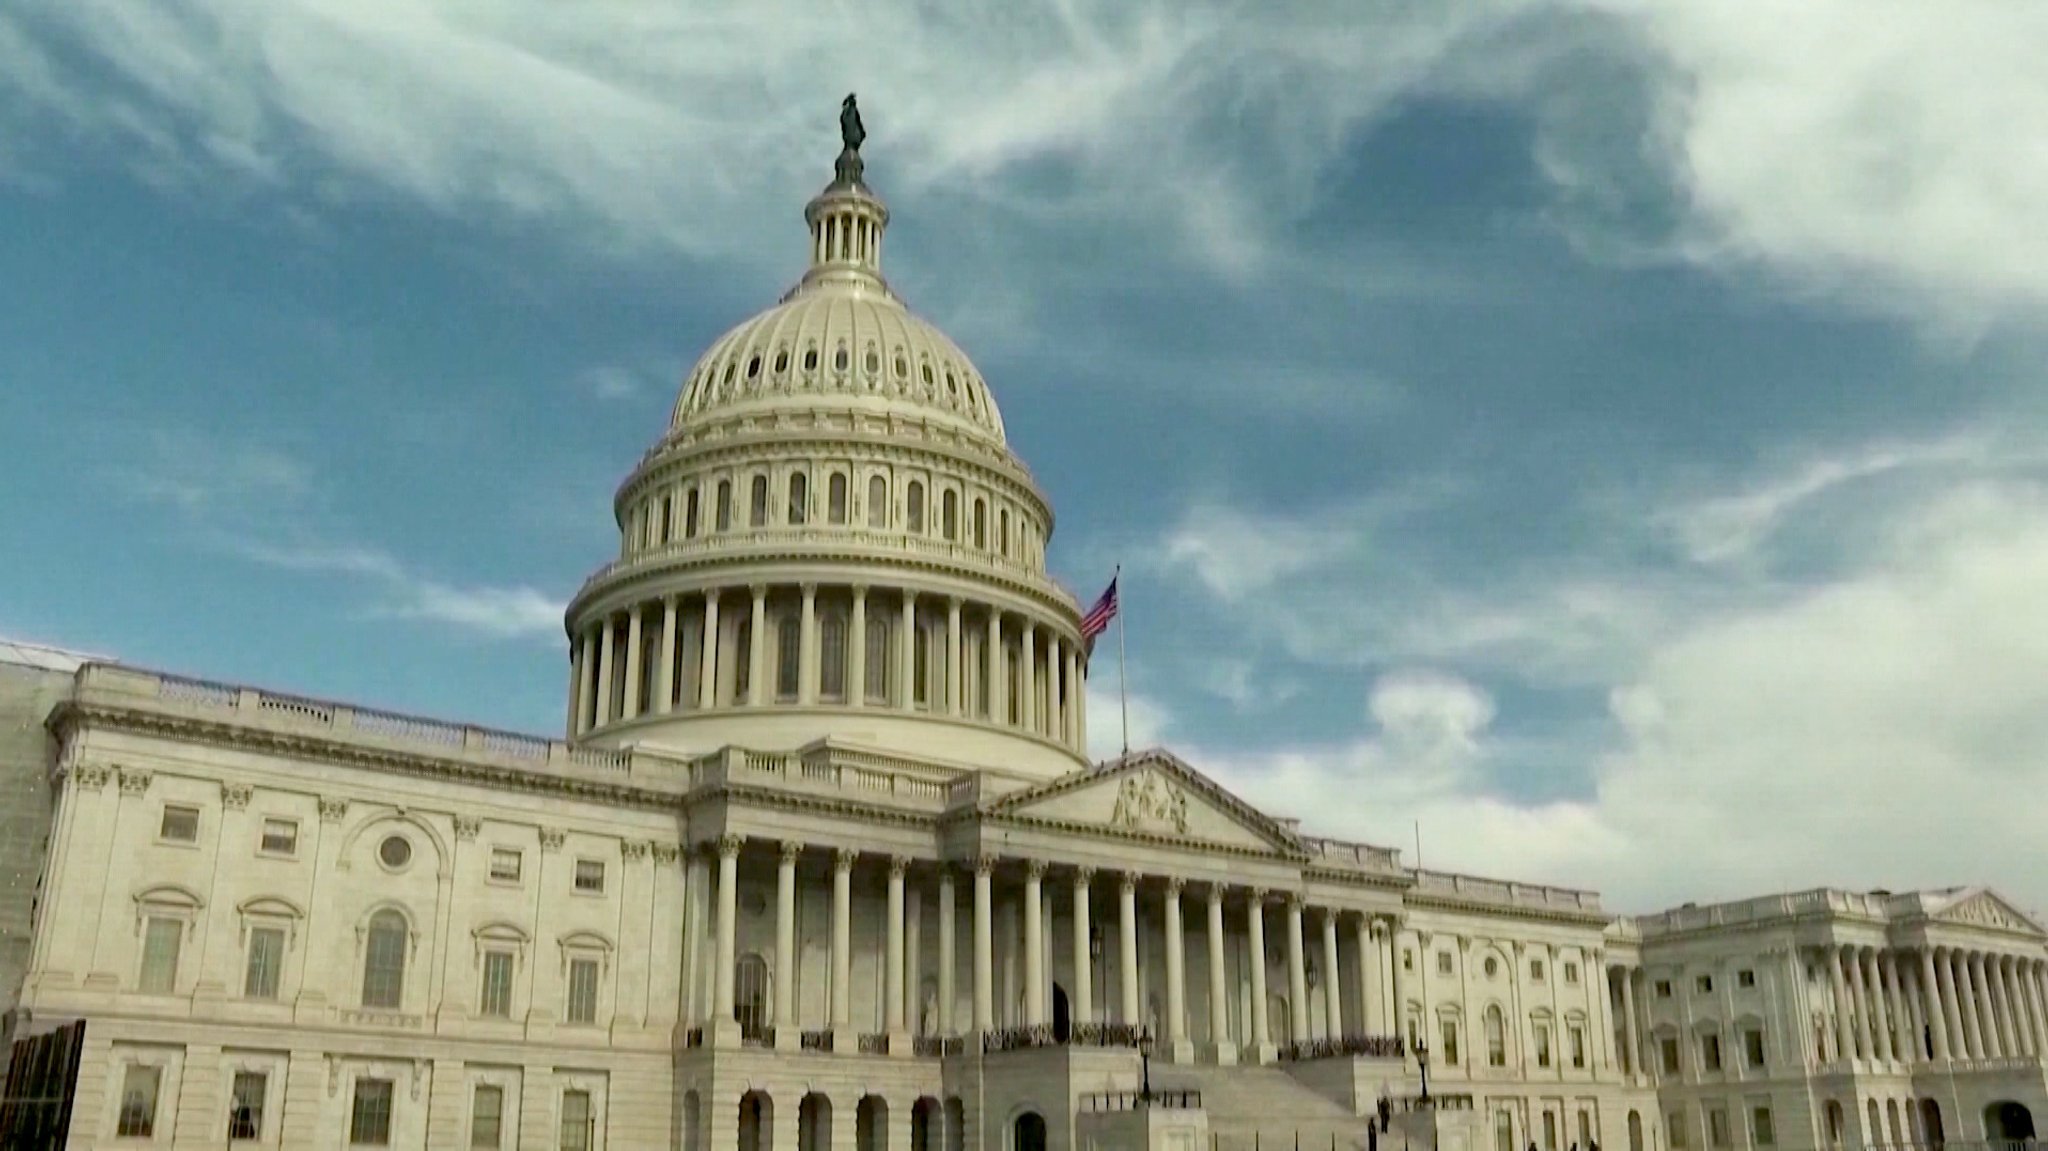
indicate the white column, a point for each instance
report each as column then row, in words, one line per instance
column 707, row 675
column 948, row 959
column 1859, row 998
column 1056, row 718
column 842, row 941
column 756, row 654
column 1084, row 973
column 603, row 713
column 1904, row 1049
column 953, row 658
column 728, row 915
column 1034, row 943
column 984, row 947
column 665, row 678
column 892, row 958
column 2008, row 1008
column 1601, row 1057
column 580, row 689
column 1951, row 1042
column 1027, row 666
column 1255, row 926
column 1628, row 1007
column 807, row 647
column 906, row 653
column 1370, row 1021
column 1079, row 690
column 1838, row 982
column 1970, row 992
column 1297, row 973
column 785, row 942
column 1219, row 988
column 1333, row 979
column 1176, row 973
column 857, row 651
column 992, row 677
column 2036, row 996
column 1880, row 1011
column 1071, row 716
column 1127, row 947
column 630, row 706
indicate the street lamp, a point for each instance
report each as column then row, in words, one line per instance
column 1422, row 1061
column 1145, row 1067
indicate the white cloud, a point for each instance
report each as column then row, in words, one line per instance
column 400, row 593
column 195, row 473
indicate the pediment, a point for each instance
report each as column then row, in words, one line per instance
column 1151, row 795
column 1981, row 907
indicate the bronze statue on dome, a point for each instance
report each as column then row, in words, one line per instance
column 851, row 132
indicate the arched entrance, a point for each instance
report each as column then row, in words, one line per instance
column 1028, row 1133
column 2008, row 1122
column 1635, row 1131
column 757, row 1119
column 1062, row 1019
column 956, row 1124
column 924, row 1124
column 871, row 1124
column 814, row 1123
column 1930, row 1123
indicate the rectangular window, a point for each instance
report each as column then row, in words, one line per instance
column 788, row 658
column 1407, row 959
column 1717, row 1126
column 266, row 960
column 369, row 1118
column 1550, row 1131
column 280, row 837
column 160, row 941
column 1761, row 1131
column 583, row 991
column 1745, row 978
column 1543, row 1045
column 1710, row 1052
column 1577, row 1036
column 1503, row 1131
column 487, row 1116
column 1450, row 1041
column 1674, row 1123
column 1663, row 989
column 1443, row 963
column 1536, row 971
column 1585, row 1129
column 590, row 875
column 506, row 863
column 138, row 1102
column 497, row 989
column 579, row 1124
column 1705, row 984
column 180, row 823
column 245, row 1105
column 1753, row 1047
column 1669, row 1047
column 1571, row 972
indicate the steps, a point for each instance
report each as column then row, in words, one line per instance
column 1265, row 1108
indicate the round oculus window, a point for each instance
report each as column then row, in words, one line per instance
column 1492, row 967
column 395, row 852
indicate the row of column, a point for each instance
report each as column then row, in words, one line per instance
column 1373, row 952
column 611, row 669
column 1941, row 1003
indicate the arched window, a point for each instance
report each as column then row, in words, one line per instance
column 750, row 996
column 690, row 515
column 1003, row 533
column 876, row 669
column 949, row 515
column 878, row 502
column 1874, row 1133
column 788, row 657
column 832, row 657
column 1496, row 1038
column 662, row 535
column 742, row 661
column 835, row 498
column 757, row 508
column 913, row 507
column 725, row 505
column 871, row 1124
column 920, row 667
column 384, row 960
column 1635, row 1131
column 799, row 498
column 980, row 524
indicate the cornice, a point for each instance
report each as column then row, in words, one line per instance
column 770, row 797
column 1434, row 902
column 1121, row 835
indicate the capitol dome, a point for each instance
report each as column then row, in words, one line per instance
column 832, row 542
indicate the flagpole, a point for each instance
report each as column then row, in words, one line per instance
column 1123, row 674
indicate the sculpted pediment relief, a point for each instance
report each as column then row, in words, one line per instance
column 1985, row 909
column 1151, row 796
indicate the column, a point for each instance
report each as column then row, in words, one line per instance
column 756, row 655
column 1084, row 973
column 1176, row 974
column 892, row 956
column 1080, row 693
column 992, row 677
column 2015, row 1006
column 807, row 648
column 1034, row 943
column 1255, row 926
column 1996, row 1034
column 1969, row 990
column 665, row 679
column 728, row 914
column 1027, row 691
column 1127, row 947
column 630, row 706
column 585, row 688
column 1072, row 713
column 857, row 650
column 1297, row 973
column 906, row 653
column 1628, row 1007
column 842, row 943
column 1369, row 1021
column 2036, row 996
column 1949, row 1040
column 603, row 714
column 984, row 947
column 948, row 960
column 1838, row 982
column 1905, row 1045
column 952, row 660
column 1333, row 980
column 1860, row 997
column 1055, row 722
column 707, row 674
column 1390, row 954
column 1601, row 1058
column 785, row 944
column 1219, row 989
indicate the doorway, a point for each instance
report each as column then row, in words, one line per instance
column 1062, row 1019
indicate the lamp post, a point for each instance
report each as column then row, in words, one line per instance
column 1422, row 1061
column 1145, row 1067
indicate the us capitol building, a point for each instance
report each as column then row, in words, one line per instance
column 820, row 862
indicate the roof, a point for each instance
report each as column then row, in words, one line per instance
column 21, row 653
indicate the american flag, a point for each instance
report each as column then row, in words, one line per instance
column 1097, row 620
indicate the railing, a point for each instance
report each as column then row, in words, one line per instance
column 757, row 1037
column 1107, row 1035
column 815, row 1041
column 1954, row 1145
column 936, row 1046
column 1018, row 1038
column 1142, row 1101
column 1340, row 851
column 1478, row 889
column 1433, row 1103
column 874, row 1044
column 1346, row 1046
column 693, row 1038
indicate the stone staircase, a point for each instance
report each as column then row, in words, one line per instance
column 1266, row 1109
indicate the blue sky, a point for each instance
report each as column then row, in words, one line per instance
column 1609, row 434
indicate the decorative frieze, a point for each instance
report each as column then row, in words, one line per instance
column 552, row 838
column 235, row 796
column 135, row 780
column 332, row 810
column 466, row 827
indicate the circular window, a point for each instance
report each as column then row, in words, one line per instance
column 781, row 362
column 1492, row 967
column 840, row 359
column 753, row 367
column 395, row 852
column 810, row 359
column 902, row 367
column 872, row 362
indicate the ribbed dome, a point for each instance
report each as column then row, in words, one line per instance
column 840, row 338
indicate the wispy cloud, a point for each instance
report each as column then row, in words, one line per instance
column 398, row 592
